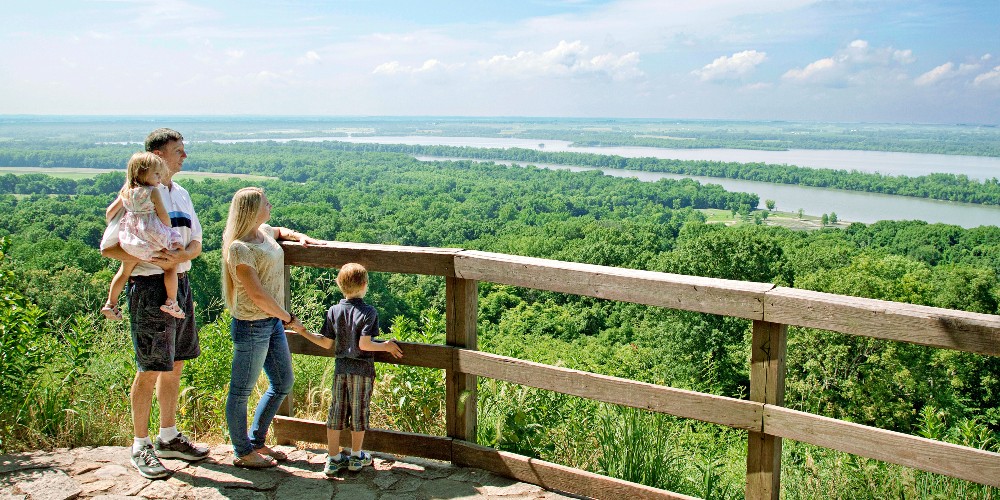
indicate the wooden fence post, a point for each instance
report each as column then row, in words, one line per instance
column 462, row 297
column 286, row 405
column 767, row 385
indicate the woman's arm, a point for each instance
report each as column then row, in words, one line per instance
column 161, row 211
column 247, row 276
column 113, row 208
column 283, row 233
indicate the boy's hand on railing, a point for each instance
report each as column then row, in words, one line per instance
column 390, row 346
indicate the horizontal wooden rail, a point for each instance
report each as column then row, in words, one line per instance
column 532, row 470
column 971, row 464
column 930, row 326
column 414, row 354
column 688, row 404
column 382, row 258
column 741, row 299
column 730, row 412
column 554, row 476
column 401, row 443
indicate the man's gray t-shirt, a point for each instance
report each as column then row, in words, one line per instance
column 346, row 322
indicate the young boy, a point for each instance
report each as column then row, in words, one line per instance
column 349, row 328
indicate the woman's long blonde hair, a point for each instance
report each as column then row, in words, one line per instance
column 243, row 212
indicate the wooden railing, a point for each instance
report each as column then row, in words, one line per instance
column 771, row 309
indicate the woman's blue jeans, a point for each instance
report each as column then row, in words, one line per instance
column 258, row 344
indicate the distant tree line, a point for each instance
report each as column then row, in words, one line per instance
column 272, row 158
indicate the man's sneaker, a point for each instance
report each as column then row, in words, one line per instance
column 333, row 466
column 179, row 447
column 356, row 462
column 147, row 464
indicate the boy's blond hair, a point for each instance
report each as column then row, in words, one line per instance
column 352, row 279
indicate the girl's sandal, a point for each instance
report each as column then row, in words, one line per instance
column 275, row 454
column 111, row 312
column 171, row 308
column 254, row 460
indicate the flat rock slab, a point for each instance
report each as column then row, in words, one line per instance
column 106, row 473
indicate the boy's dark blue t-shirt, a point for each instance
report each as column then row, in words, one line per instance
column 346, row 322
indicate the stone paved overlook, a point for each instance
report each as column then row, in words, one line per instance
column 105, row 473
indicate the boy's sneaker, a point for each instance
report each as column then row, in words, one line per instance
column 333, row 466
column 179, row 447
column 356, row 462
column 147, row 464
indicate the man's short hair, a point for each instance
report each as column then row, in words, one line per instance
column 352, row 278
column 160, row 137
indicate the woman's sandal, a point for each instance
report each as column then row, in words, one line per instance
column 254, row 460
column 275, row 454
column 171, row 308
column 111, row 312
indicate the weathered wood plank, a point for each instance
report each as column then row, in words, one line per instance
column 970, row 464
column 767, row 386
column 287, row 403
column 931, row 326
column 705, row 407
column 414, row 354
column 460, row 388
column 380, row 258
column 716, row 296
column 401, row 443
column 553, row 476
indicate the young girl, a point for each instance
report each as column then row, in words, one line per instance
column 144, row 230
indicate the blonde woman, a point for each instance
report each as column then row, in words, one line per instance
column 253, row 288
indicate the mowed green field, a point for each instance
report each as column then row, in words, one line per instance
column 86, row 173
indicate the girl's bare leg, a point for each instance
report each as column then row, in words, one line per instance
column 110, row 309
column 171, row 307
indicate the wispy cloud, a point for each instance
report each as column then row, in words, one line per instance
column 732, row 67
column 567, row 59
column 990, row 79
column 311, row 57
column 855, row 64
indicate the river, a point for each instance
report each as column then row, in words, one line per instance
column 850, row 206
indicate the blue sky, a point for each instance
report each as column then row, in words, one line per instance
column 893, row 61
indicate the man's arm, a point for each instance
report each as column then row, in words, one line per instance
column 116, row 252
column 190, row 252
column 112, row 211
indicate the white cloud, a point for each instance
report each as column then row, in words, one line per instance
column 857, row 63
column 732, row 67
column 903, row 56
column 990, row 79
column 310, row 57
column 814, row 72
column 567, row 59
column 155, row 14
column 429, row 66
column 936, row 75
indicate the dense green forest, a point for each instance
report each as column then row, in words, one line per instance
column 272, row 158
column 73, row 391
